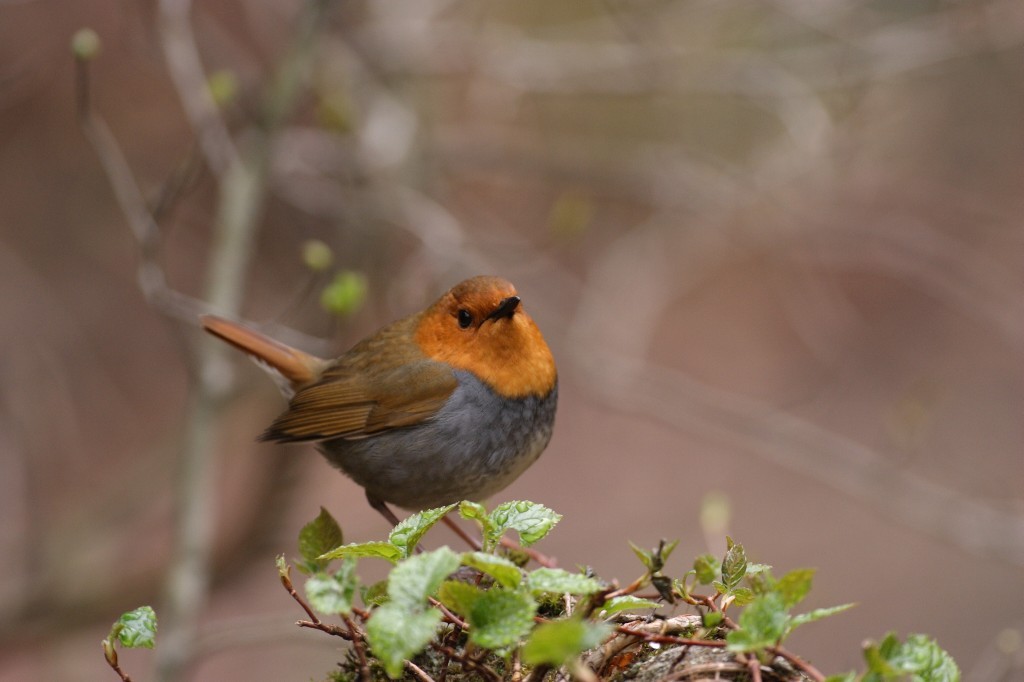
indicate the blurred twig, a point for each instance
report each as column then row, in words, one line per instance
column 242, row 190
column 242, row 176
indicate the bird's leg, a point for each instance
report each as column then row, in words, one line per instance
column 457, row 529
column 383, row 509
column 541, row 559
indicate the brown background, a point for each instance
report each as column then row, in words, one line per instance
column 776, row 249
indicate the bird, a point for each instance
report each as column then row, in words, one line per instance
column 451, row 403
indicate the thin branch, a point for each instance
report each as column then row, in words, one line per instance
column 183, row 61
column 418, row 672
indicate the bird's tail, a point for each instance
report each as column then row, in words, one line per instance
column 290, row 366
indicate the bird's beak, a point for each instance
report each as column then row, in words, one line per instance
column 506, row 308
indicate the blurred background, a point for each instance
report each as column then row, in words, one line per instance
column 776, row 248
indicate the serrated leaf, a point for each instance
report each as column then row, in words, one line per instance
column 795, row 585
column 501, row 569
column 742, row 596
column 459, row 596
column 817, row 614
column 626, row 602
column 136, row 629
column 332, row 594
column 475, row 511
column 919, row 659
column 762, row 624
column 395, row 634
column 407, row 534
column 530, row 520
column 500, row 618
column 318, row 537
column 754, row 569
column 877, row 658
column 555, row 642
column 719, row 587
column 358, row 550
column 734, row 566
column 706, row 568
column 418, row 577
column 559, row 581
column 644, row 556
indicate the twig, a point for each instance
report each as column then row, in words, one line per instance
column 360, row 648
column 754, row 666
column 110, row 654
column 314, row 621
column 186, row 69
column 468, row 663
column 242, row 193
column 418, row 672
column 448, row 615
column 799, row 663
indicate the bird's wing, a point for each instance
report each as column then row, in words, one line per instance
column 357, row 400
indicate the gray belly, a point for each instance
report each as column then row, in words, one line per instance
column 475, row 446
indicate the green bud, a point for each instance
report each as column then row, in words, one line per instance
column 317, row 255
column 346, row 294
column 223, row 86
column 85, row 44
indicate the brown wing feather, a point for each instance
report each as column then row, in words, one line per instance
column 382, row 383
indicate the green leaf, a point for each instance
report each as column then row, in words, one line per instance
column 741, row 596
column 712, row 619
column 135, row 629
column 919, row 659
column 318, row 537
column 476, row 512
column 375, row 594
column 706, row 567
column 762, row 624
column 754, row 569
column 418, row 577
column 645, row 557
column 795, row 585
column 501, row 569
column 358, row 550
column 559, row 581
column 406, row 535
column 396, row 634
column 459, row 596
column 500, row 618
column 734, row 566
column 555, row 642
column 817, row 614
column 332, row 594
column 530, row 520
column 626, row 602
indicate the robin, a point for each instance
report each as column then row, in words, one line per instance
column 451, row 403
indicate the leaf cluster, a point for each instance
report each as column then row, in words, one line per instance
column 484, row 614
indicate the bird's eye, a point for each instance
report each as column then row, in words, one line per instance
column 465, row 319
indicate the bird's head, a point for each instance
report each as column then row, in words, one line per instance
column 480, row 326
